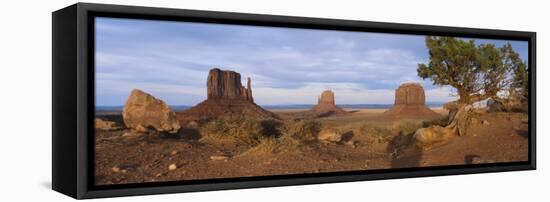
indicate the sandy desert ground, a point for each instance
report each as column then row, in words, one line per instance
column 369, row 141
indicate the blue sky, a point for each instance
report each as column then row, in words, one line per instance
column 171, row 60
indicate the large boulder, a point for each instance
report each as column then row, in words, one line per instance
column 410, row 102
column 329, row 135
column 425, row 138
column 143, row 112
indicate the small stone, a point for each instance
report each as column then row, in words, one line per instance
column 193, row 124
column 130, row 134
column 172, row 167
column 174, row 152
column 158, row 175
column 485, row 122
column 115, row 169
column 477, row 160
column 218, row 157
column 123, row 170
column 351, row 143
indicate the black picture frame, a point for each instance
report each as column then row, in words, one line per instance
column 73, row 99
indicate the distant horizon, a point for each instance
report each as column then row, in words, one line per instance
column 170, row 60
column 111, row 108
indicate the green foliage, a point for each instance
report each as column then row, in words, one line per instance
column 476, row 72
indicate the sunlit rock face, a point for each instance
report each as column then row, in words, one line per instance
column 410, row 102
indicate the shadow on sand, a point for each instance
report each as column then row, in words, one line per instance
column 403, row 152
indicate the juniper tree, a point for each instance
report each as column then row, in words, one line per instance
column 476, row 72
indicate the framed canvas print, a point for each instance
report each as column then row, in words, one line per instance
column 155, row 100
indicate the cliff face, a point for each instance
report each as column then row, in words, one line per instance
column 410, row 101
column 327, row 97
column 410, row 94
column 227, row 85
column 226, row 96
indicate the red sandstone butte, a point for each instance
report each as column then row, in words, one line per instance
column 226, row 97
column 326, row 105
column 410, row 102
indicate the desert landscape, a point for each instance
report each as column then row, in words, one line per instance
column 182, row 101
column 228, row 135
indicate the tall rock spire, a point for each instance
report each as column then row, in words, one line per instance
column 249, row 91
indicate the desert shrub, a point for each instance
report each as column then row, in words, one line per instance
column 304, row 130
column 400, row 143
column 508, row 106
column 273, row 145
column 294, row 135
column 246, row 130
column 385, row 133
column 375, row 133
column 271, row 128
column 436, row 122
column 408, row 127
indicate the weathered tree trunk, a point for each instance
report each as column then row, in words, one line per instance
column 459, row 118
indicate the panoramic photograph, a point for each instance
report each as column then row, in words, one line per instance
column 178, row 101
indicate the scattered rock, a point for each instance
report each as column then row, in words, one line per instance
column 174, row 152
column 485, row 122
column 101, row 124
column 219, row 158
column 476, row 160
column 132, row 134
column 115, row 169
column 479, row 160
column 143, row 111
column 351, row 143
column 330, row 135
column 172, row 167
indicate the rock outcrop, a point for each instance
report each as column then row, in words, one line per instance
column 226, row 97
column 326, row 105
column 425, row 138
column 101, row 124
column 329, row 135
column 143, row 112
column 410, row 102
